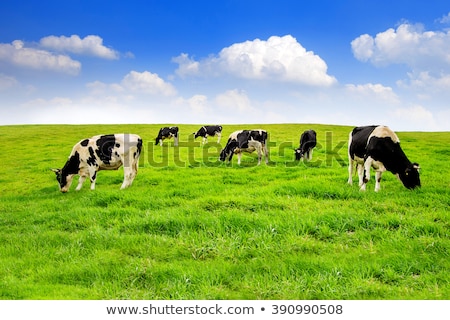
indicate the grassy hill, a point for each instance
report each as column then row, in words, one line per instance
column 191, row 227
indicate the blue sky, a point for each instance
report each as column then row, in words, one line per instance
column 226, row 62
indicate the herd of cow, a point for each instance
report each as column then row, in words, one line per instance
column 369, row 147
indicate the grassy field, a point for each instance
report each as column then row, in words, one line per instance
column 193, row 228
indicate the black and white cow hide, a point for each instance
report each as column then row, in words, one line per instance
column 167, row 133
column 246, row 141
column 378, row 147
column 308, row 142
column 102, row 152
column 209, row 131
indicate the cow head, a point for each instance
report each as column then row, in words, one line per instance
column 298, row 153
column 228, row 151
column 200, row 133
column 226, row 154
column 410, row 178
column 64, row 180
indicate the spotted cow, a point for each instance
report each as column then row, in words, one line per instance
column 308, row 142
column 167, row 133
column 102, row 152
column 245, row 141
column 207, row 131
column 379, row 147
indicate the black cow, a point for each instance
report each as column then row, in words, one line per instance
column 206, row 131
column 103, row 152
column 308, row 141
column 245, row 141
column 379, row 147
column 167, row 133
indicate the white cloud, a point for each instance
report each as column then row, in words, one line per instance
column 147, row 82
column 234, row 101
column 187, row 66
column 18, row 54
column 416, row 116
column 90, row 45
column 277, row 59
column 445, row 19
column 373, row 91
column 363, row 47
column 7, row 82
column 427, row 82
column 198, row 103
column 99, row 88
column 408, row 44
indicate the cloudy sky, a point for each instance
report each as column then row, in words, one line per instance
column 226, row 62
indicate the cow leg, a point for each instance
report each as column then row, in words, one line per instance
column 175, row 141
column 266, row 154
column 360, row 169
column 366, row 174
column 93, row 177
column 378, row 180
column 205, row 140
column 219, row 135
column 239, row 155
column 310, row 152
column 351, row 164
column 80, row 181
column 129, row 173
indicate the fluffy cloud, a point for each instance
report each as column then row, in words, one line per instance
column 373, row 91
column 235, row 101
column 198, row 103
column 408, row 44
column 90, row 45
column 445, row 19
column 17, row 54
column 278, row 59
column 187, row 66
column 147, row 82
column 427, row 82
column 416, row 115
column 7, row 82
column 132, row 85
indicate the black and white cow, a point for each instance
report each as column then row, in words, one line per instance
column 308, row 141
column 207, row 131
column 379, row 147
column 245, row 141
column 103, row 152
column 167, row 133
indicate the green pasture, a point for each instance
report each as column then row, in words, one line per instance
column 191, row 227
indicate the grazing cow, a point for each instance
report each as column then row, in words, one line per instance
column 206, row 131
column 245, row 141
column 167, row 133
column 379, row 147
column 103, row 152
column 307, row 142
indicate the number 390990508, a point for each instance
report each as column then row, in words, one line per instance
column 307, row 309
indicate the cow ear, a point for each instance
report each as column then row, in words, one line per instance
column 57, row 171
column 416, row 166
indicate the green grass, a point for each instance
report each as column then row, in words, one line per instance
column 193, row 228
